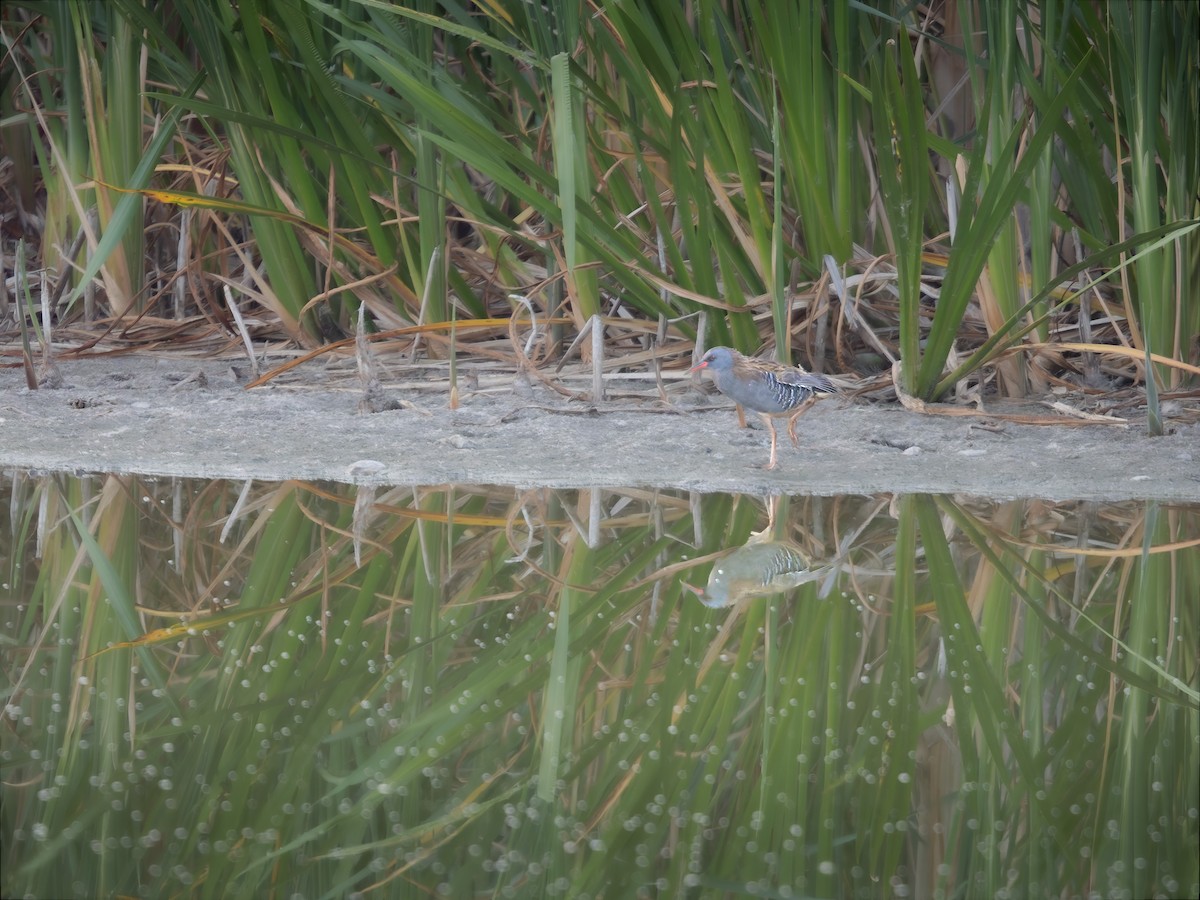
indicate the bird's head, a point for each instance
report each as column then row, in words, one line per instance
column 718, row 358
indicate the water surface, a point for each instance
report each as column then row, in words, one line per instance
column 225, row 689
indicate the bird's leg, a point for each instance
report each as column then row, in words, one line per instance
column 741, row 416
column 774, row 462
column 801, row 410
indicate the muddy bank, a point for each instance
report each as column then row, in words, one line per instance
column 173, row 416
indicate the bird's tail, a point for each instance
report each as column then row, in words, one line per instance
column 816, row 384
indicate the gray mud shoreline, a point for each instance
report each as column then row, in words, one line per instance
column 166, row 415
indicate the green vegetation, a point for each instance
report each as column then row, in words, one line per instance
column 857, row 180
column 513, row 694
column 473, row 693
column 484, row 694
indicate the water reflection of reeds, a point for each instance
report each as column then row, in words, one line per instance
column 515, row 693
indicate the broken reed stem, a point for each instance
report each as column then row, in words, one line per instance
column 597, row 359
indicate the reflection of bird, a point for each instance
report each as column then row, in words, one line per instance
column 756, row 570
column 769, row 388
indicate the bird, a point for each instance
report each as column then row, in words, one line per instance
column 761, row 568
column 769, row 388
